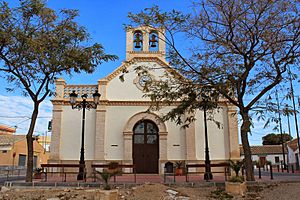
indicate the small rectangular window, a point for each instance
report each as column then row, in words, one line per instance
column 34, row 161
column 4, row 151
column 276, row 159
column 138, row 139
column 151, row 139
column 22, row 160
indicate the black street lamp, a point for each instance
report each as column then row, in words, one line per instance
column 206, row 103
column 83, row 105
column 294, row 110
column 207, row 175
column 280, row 129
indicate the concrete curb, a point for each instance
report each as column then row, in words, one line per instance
column 18, row 184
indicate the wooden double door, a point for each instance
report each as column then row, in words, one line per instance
column 145, row 147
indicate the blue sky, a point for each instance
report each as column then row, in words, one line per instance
column 104, row 21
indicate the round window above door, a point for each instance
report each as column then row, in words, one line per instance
column 142, row 80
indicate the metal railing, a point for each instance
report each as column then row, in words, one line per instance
column 12, row 171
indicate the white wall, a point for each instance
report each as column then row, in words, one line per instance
column 217, row 137
column 127, row 90
column 71, row 134
column 292, row 156
column 118, row 116
column 116, row 119
column 176, row 142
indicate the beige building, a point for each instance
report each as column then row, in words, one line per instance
column 45, row 141
column 13, row 149
column 121, row 130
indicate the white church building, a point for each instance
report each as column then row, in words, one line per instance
column 121, row 130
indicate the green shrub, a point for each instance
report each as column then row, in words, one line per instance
column 236, row 166
column 105, row 176
column 237, row 179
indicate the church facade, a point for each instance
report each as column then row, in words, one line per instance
column 121, row 130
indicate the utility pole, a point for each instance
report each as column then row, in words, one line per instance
column 294, row 108
column 280, row 128
column 45, row 141
column 288, row 118
column 289, row 129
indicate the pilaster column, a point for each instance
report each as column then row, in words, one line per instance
column 57, row 116
column 100, row 133
column 145, row 40
column 190, row 139
column 59, row 89
column 162, row 44
column 102, row 83
column 56, row 130
column 233, row 133
column 100, row 122
column 128, row 146
column 129, row 42
column 163, row 146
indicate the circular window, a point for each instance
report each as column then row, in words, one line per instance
column 141, row 81
column 144, row 79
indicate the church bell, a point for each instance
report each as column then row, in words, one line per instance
column 153, row 41
column 137, row 40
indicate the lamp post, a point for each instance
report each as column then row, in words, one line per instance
column 289, row 128
column 294, row 109
column 84, row 104
column 280, row 129
column 207, row 175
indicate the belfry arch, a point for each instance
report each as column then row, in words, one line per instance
column 128, row 135
column 144, row 42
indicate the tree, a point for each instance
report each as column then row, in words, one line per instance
column 239, row 48
column 37, row 45
column 275, row 139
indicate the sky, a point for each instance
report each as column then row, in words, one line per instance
column 104, row 21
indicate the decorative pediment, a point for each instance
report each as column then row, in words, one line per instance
column 126, row 64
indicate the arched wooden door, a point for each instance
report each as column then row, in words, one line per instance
column 145, row 147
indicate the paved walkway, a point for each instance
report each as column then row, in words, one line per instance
column 277, row 176
column 126, row 179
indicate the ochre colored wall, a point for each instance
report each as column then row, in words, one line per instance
column 21, row 148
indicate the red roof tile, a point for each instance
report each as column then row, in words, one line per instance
column 8, row 139
column 264, row 149
column 6, row 129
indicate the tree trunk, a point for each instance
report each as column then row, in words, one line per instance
column 30, row 142
column 245, row 129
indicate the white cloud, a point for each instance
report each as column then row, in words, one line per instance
column 17, row 110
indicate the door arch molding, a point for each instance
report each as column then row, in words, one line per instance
column 128, row 135
column 145, row 116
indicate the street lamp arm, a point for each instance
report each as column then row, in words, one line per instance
column 84, row 105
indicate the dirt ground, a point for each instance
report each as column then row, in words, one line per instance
column 288, row 191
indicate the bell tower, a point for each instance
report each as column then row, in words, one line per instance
column 145, row 41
